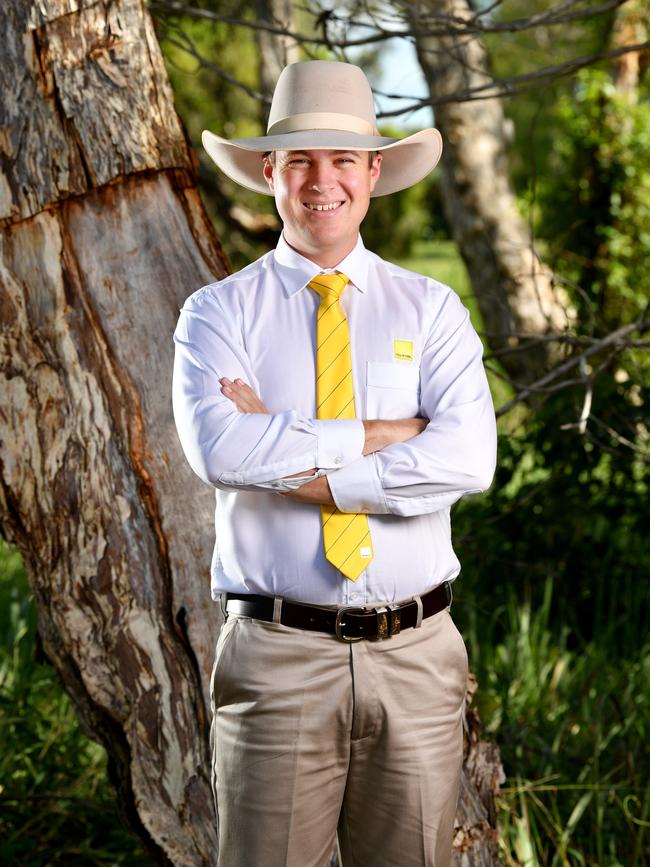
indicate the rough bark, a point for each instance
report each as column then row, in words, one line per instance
column 102, row 237
column 514, row 289
column 476, row 835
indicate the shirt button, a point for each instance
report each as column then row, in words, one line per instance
column 338, row 459
column 354, row 595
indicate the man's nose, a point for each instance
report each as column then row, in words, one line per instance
column 321, row 176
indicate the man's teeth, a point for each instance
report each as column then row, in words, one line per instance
column 330, row 207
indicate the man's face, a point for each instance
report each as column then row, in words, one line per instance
column 322, row 197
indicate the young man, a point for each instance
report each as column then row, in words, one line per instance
column 339, row 405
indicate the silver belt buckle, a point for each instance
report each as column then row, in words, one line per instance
column 338, row 623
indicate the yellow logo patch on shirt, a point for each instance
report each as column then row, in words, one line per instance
column 403, row 349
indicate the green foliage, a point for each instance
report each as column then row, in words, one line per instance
column 563, row 506
column 396, row 224
column 56, row 806
column 572, row 723
column 554, row 604
column 535, row 125
column 597, row 209
column 554, row 598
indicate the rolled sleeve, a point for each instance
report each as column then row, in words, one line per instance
column 357, row 488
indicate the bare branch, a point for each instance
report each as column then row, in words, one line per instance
column 616, row 338
column 445, row 25
column 522, row 83
column 550, row 17
column 528, row 341
column 581, row 424
column 304, row 38
column 615, row 435
column 188, row 46
column 492, row 89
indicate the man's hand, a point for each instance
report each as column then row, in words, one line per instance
column 242, row 395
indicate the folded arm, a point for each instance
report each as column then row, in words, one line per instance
column 454, row 455
column 250, row 449
column 309, row 487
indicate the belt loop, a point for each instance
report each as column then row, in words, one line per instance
column 418, row 620
column 450, row 594
column 277, row 608
column 223, row 601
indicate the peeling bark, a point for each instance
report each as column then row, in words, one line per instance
column 475, row 833
column 102, row 236
column 514, row 289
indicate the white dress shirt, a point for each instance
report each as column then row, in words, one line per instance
column 414, row 352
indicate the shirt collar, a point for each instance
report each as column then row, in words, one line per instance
column 295, row 271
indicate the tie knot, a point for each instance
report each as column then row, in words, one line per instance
column 329, row 284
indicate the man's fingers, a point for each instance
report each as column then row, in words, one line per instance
column 242, row 395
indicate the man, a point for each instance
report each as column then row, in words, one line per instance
column 339, row 405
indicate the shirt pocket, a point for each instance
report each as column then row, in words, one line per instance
column 392, row 390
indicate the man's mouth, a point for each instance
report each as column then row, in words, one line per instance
column 327, row 206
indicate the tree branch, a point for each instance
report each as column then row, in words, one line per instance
column 446, row 25
column 492, row 89
column 616, row 338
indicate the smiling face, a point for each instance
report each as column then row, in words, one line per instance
column 322, row 197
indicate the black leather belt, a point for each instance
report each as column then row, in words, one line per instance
column 350, row 623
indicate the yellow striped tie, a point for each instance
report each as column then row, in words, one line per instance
column 346, row 536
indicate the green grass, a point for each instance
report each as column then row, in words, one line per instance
column 572, row 723
column 56, row 805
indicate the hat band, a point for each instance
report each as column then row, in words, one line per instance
column 320, row 120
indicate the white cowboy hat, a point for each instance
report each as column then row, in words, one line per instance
column 326, row 105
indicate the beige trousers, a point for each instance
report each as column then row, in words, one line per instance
column 310, row 735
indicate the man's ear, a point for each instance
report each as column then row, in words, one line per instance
column 375, row 171
column 267, row 171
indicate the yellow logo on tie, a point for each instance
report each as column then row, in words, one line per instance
column 403, row 349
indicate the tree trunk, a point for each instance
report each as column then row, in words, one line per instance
column 103, row 237
column 275, row 50
column 476, row 836
column 631, row 24
column 514, row 290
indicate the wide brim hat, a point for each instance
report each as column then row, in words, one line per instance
column 326, row 105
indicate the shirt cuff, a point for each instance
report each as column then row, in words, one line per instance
column 292, row 484
column 340, row 442
column 357, row 488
